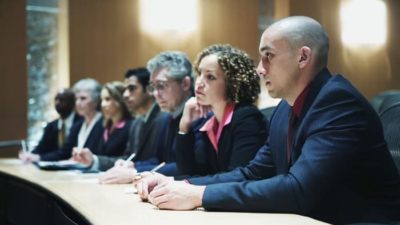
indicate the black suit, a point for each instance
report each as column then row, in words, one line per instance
column 168, row 152
column 148, row 144
column 238, row 144
column 116, row 142
column 92, row 142
column 341, row 169
column 49, row 141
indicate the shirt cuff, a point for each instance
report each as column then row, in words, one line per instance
column 95, row 163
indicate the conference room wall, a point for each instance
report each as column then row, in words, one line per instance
column 371, row 69
column 13, row 72
column 106, row 37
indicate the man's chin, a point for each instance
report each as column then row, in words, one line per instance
column 272, row 94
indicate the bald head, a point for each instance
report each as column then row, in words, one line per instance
column 301, row 31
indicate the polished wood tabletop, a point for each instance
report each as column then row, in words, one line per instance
column 116, row 204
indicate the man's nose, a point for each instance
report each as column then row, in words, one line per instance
column 261, row 70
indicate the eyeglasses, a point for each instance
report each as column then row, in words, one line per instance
column 159, row 86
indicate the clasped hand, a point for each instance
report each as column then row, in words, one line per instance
column 165, row 193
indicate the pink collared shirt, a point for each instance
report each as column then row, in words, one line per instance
column 214, row 129
column 107, row 132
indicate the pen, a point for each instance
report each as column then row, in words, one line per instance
column 23, row 144
column 157, row 167
column 125, row 163
column 130, row 157
column 138, row 176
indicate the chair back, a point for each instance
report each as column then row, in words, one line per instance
column 378, row 99
column 390, row 118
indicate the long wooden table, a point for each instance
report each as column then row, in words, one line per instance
column 29, row 195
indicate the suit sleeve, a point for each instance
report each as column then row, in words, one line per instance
column 46, row 140
column 155, row 145
column 188, row 149
column 106, row 162
column 65, row 151
column 261, row 166
column 339, row 125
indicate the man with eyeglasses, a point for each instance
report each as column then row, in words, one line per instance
column 171, row 84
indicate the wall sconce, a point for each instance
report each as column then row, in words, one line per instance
column 168, row 15
column 363, row 22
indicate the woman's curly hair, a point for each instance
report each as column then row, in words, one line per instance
column 242, row 82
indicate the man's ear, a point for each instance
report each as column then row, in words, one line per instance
column 186, row 83
column 304, row 56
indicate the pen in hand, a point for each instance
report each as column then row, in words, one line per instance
column 138, row 176
column 126, row 162
column 23, row 145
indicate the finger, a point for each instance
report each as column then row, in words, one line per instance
column 158, row 190
column 143, row 190
column 165, row 205
column 74, row 150
column 119, row 163
column 128, row 164
column 102, row 179
column 108, row 175
column 199, row 108
column 76, row 157
column 21, row 155
column 161, row 202
column 112, row 179
column 138, row 188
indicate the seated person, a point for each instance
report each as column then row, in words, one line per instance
column 117, row 120
column 57, row 131
column 87, row 133
column 171, row 85
column 145, row 130
column 325, row 157
column 228, row 85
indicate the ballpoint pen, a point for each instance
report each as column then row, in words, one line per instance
column 130, row 157
column 138, row 176
column 23, row 145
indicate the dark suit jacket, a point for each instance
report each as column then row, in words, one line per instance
column 238, row 144
column 116, row 143
column 49, row 140
column 341, row 169
column 149, row 143
column 166, row 153
column 92, row 142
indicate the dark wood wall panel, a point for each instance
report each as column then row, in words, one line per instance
column 13, row 70
column 371, row 70
column 105, row 37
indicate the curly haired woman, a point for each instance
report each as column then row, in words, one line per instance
column 221, row 129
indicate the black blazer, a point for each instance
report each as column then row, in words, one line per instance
column 49, row 140
column 145, row 158
column 92, row 142
column 341, row 170
column 238, row 144
column 116, row 143
column 167, row 152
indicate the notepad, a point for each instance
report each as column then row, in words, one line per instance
column 60, row 165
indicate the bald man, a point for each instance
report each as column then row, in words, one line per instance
column 326, row 156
